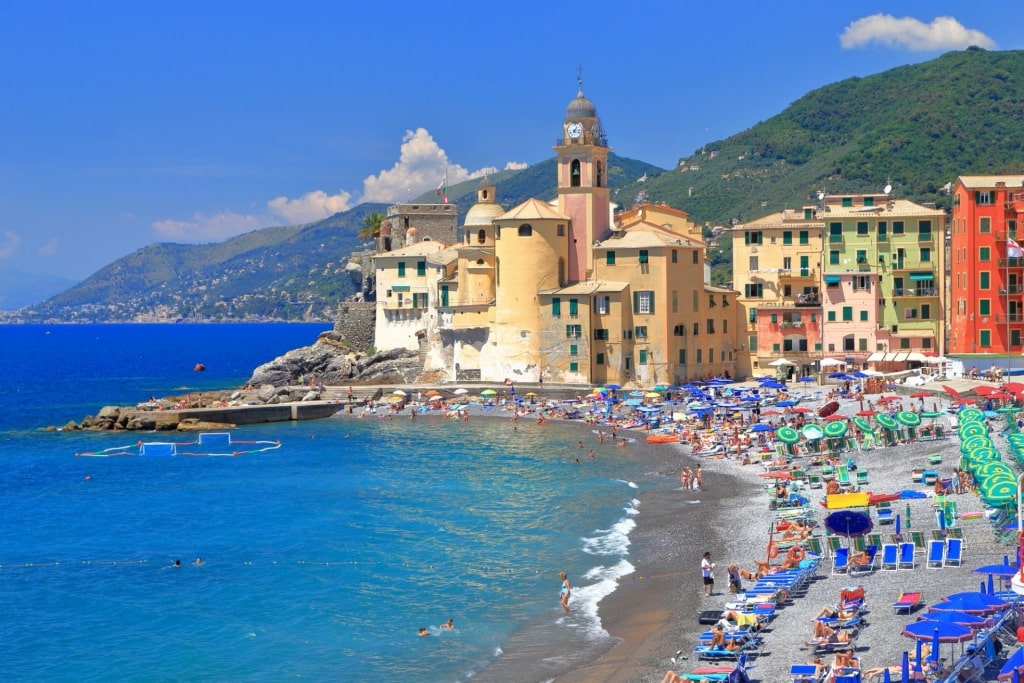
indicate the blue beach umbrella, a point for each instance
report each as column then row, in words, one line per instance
column 937, row 632
column 613, row 387
column 806, row 379
column 848, row 523
column 975, row 605
column 905, row 673
column 762, row 427
column 786, row 404
column 1013, row 666
column 980, row 598
column 962, row 618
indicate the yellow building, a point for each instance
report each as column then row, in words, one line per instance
column 553, row 290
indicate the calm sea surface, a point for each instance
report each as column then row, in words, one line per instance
column 320, row 559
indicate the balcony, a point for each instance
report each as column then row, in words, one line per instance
column 1011, row 289
column 915, row 291
column 791, row 355
column 798, row 274
column 1015, row 262
column 1010, row 319
column 798, row 301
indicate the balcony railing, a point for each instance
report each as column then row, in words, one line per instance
column 1012, row 289
column 798, row 274
column 915, row 291
column 791, row 355
column 1010, row 319
column 1015, row 262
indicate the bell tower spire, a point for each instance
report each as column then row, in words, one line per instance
column 583, row 193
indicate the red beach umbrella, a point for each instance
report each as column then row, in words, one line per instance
column 777, row 474
column 866, row 413
column 833, row 417
column 920, row 394
column 801, row 409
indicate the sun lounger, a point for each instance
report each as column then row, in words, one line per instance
column 890, row 557
column 906, row 556
column 804, row 673
column 919, row 541
column 831, row 645
column 834, row 544
column 954, row 553
column 907, row 602
column 865, row 567
column 885, row 515
column 936, row 552
column 841, row 561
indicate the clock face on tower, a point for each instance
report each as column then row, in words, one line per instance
column 574, row 130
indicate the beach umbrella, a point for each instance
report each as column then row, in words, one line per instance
column 802, row 409
column 633, row 402
column 886, row 421
column 1003, row 569
column 905, row 668
column 652, row 394
column 866, row 413
column 970, row 414
column 806, row 379
column 786, row 403
column 433, row 392
column 862, row 424
column 435, row 397
column 974, row 605
column 615, row 387
column 835, row 429
column 937, row 632
column 812, row 432
column 636, row 394
column 837, row 375
column 828, row 409
column 908, row 418
column 488, row 392
column 461, row 392
column 860, row 375
column 848, row 523
column 932, row 414
column 835, row 416
column 920, row 394
column 777, row 474
column 530, row 393
column 962, row 618
column 1013, row 666
column 660, row 387
column 399, row 392
column 762, row 427
column 787, row 435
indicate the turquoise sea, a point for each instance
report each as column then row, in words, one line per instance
column 320, row 559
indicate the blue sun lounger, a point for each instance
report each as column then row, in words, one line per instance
column 936, row 552
column 906, row 559
column 890, row 557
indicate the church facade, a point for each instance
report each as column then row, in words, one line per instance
column 564, row 291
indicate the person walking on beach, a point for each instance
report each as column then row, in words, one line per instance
column 699, row 478
column 566, row 591
column 707, row 574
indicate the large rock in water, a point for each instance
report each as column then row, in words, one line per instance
column 334, row 363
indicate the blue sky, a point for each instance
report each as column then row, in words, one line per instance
column 130, row 123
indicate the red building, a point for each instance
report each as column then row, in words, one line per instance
column 987, row 265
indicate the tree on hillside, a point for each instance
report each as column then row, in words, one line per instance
column 371, row 226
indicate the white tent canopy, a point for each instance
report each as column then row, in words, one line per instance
column 780, row 362
column 831, row 362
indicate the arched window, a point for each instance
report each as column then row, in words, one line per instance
column 481, row 236
column 574, row 173
column 600, row 174
column 525, row 230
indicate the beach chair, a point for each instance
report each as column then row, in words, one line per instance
column 907, row 602
column 874, row 539
column 814, row 481
column 955, row 532
column 804, row 673
column 936, row 553
column 935, row 459
column 834, row 544
column 843, row 476
column 890, row 557
column 954, row 553
column 828, row 472
column 814, row 545
column 866, row 567
column 919, row 541
column 906, row 556
column 858, row 543
column 840, row 560
column 884, row 514
column 862, row 477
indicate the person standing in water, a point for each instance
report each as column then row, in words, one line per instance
column 566, row 592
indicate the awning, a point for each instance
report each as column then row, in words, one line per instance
column 919, row 277
column 875, row 357
column 889, row 357
column 902, row 356
column 916, row 357
column 832, row 279
column 399, row 288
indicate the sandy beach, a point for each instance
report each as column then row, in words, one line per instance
column 655, row 611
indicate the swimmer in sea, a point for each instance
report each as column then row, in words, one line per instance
column 198, row 562
column 424, row 631
column 448, row 625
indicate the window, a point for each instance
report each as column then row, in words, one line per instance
column 675, row 301
column 599, row 359
column 847, row 201
column 869, row 201
column 682, row 356
column 602, row 304
column 984, row 198
column 556, row 307
column 831, row 316
column 883, row 230
column 775, row 318
column 864, row 316
column 679, row 331
column 643, row 357
column 644, row 256
column 983, row 279
column 574, row 367
column 643, row 302
column 752, row 342
column 695, row 300
column 862, row 228
column 833, row 257
column 574, row 350
column 675, row 256
column 560, row 230
column 984, row 253
column 640, row 331
column 481, row 236
column 835, row 232
column 787, row 237
column 419, row 300
column 574, row 308
column 609, row 258
column 910, row 313
column 847, row 312
column 753, row 237
column 984, row 307
column 862, row 344
column 985, row 338
column 421, row 268
column 627, row 334
column 752, row 316
column 575, row 174
column 401, row 269
column 897, row 227
column 984, row 224
column 752, row 267
column 805, row 237
column 924, row 231
column 926, row 312
column 694, row 255
column 710, row 325
column 700, row 356
column 926, row 254
column 600, row 334
column 862, row 256
column 696, row 329
column 754, row 290
column 525, row 230
column 573, row 331
column 725, row 326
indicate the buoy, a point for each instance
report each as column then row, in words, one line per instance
column 796, row 554
column 773, row 550
column 199, row 367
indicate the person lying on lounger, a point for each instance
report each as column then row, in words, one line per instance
column 823, row 635
column 718, row 641
column 835, row 613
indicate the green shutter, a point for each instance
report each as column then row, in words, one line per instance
column 556, row 307
column 574, row 307
column 421, row 268
column 652, row 303
column 636, row 301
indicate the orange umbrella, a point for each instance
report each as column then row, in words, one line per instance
column 433, row 392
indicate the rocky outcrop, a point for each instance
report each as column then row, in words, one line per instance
column 331, row 361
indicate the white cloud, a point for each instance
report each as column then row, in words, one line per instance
column 311, row 206
column 420, row 168
column 204, row 228
column 50, row 248
column 516, row 165
column 944, row 33
column 9, row 244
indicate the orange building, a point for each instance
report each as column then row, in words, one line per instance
column 987, row 265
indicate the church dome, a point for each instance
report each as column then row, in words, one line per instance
column 480, row 215
column 581, row 108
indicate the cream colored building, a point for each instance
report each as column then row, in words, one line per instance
column 555, row 290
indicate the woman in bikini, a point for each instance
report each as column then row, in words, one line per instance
column 566, row 592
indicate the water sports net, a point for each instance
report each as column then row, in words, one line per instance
column 209, row 444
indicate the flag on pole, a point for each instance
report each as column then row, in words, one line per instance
column 442, row 188
column 1013, row 250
